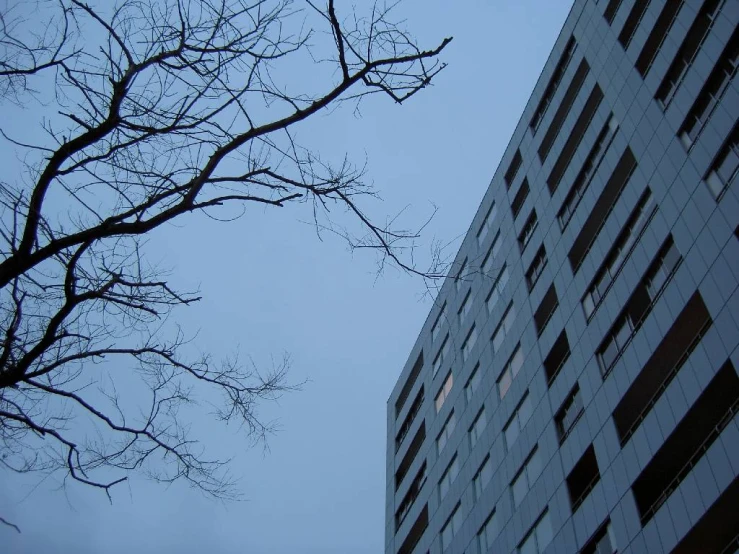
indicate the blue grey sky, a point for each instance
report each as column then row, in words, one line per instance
column 270, row 286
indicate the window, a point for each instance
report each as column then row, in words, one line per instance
column 408, row 422
column 689, row 49
column 450, row 474
column 528, row 230
column 486, row 224
column 632, row 22
column 569, row 414
column 602, row 542
column 487, row 533
column 602, row 209
column 410, row 497
column 617, row 340
column 410, row 455
column 536, row 267
column 583, row 478
column 441, row 356
column 465, row 308
column 473, row 383
column 517, row 421
column 546, row 309
column 469, row 342
column 461, row 274
column 513, row 169
column 511, row 370
column 446, row 432
column 482, row 477
column 712, row 93
column 496, row 245
column 539, row 537
column 526, row 477
column 619, row 252
column 520, row 198
column 667, row 260
column 638, row 306
column 659, row 32
column 724, row 168
column 446, row 388
column 406, row 390
column 436, row 329
column 451, row 527
column 574, row 138
column 585, row 176
column 568, row 99
column 487, row 264
column 557, row 357
column 505, row 325
column 554, row 81
column 478, row 426
column 497, row 289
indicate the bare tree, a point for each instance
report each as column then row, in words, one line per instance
column 163, row 108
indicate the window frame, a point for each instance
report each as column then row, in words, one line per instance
column 436, row 327
column 516, row 419
column 523, row 473
column 684, row 59
column 473, row 383
column 717, row 184
column 478, row 426
column 509, row 370
column 460, row 278
column 527, row 231
column 520, row 198
column 454, row 524
column 469, row 343
column 485, row 538
column 573, row 400
column 486, row 224
column 448, row 477
column 482, row 477
column 533, row 532
column 496, row 291
column 536, row 268
column 619, row 252
column 711, row 94
column 441, row 356
column 554, row 81
column 440, row 400
column 504, row 327
column 465, row 307
column 604, row 531
column 588, row 170
column 493, row 251
column 446, row 430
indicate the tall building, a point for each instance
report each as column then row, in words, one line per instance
column 575, row 386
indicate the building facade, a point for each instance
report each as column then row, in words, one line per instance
column 575, row 386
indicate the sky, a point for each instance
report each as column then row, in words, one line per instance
column 270, row 287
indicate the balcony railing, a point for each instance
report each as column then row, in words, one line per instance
column 665, row 382
column 697, row 455
column 580, row 499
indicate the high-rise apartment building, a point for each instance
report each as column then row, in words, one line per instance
column 575, row 386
